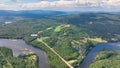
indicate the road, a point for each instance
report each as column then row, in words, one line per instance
column 70, row 66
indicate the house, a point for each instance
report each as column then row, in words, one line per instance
column 33, row 35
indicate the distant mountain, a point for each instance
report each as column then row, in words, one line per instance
column 30, row 13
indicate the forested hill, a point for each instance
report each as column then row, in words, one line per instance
column 71, row 36
column 107, row 59
column 30, row 13
column 105, row 25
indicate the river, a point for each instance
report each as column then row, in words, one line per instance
column 20, row 47
column 90, row 57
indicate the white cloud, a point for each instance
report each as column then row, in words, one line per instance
column 61, row 4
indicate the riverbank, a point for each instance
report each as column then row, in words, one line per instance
column 10, row 61
column 20, row 47
column 91, row 55
column 107, row 59
column 34, row 46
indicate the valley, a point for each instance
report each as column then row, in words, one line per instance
column 70, row 36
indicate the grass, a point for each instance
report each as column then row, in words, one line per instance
column 72, row 61
column 100, row 40
column 58, row 29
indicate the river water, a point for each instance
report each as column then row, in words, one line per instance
column 20, row 47
column 90, row 57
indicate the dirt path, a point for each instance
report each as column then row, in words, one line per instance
column 70, row 66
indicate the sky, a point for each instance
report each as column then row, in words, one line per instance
column 24, row 1
column 60, row 5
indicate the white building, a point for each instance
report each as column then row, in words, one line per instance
column 33, row 35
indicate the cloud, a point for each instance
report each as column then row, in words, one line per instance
column 73, row 4
column 60, row 4
column 16, row 0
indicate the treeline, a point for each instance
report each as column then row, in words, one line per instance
column 107, row 59
column 8, row 61
column 70, row 36
column 104, row 25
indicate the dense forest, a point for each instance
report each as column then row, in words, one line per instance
column 71, row 36
column 104, row 25
column 107, row 59
column 24, row 61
